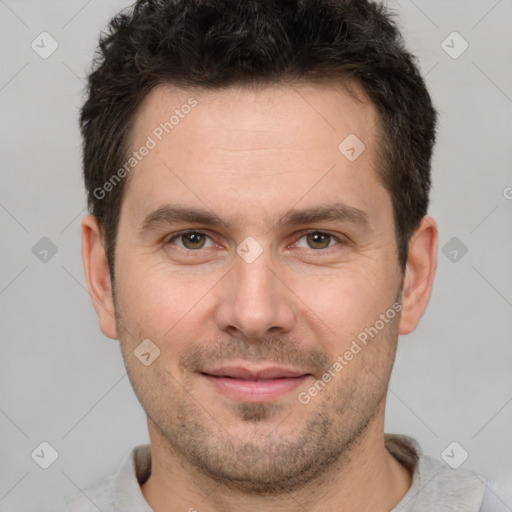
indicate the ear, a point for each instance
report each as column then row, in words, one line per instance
column 419, row 274
column 97, row 275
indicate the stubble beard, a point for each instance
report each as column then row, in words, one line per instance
column 280, row 456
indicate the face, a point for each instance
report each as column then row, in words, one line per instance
column 254, row 253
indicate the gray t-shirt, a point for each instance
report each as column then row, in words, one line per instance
column 435, row 486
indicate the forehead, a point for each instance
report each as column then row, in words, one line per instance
column 326, row 112
column 267, row 146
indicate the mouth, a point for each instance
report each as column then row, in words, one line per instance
column 245, row 384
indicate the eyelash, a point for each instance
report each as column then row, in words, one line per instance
column 179, row 234
column 302, row 234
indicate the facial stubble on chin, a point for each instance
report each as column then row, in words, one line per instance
column 261, row 465
column 271, row 461
column 269, row 464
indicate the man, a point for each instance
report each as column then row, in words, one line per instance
column 258, row 177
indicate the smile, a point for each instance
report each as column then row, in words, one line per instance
column 249, row 385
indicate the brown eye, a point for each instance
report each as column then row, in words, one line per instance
column 189, row 240
column 318, row 240
column 193, row 240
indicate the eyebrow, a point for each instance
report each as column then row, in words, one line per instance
column 173, row 213
column 338, row 212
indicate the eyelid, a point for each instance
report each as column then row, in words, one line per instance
column 340, row 239
column 173, row 236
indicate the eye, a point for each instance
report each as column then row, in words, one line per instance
column 317, row 240
column 190, row 240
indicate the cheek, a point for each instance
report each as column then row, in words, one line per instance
column 160, row 303
column 347, row 300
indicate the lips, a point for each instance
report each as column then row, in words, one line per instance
column 245, row 384
column 242, row 373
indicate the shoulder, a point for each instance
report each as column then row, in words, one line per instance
column 119, row 490
column 498, row 495
column 100, row 495
column 435, row 485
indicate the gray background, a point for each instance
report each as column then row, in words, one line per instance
column 63, row 382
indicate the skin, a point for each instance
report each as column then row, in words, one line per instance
column 250, row 156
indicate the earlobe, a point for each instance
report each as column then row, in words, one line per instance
column 419, row 274
column 97, row 275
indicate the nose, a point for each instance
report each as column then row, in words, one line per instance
column 255, row 300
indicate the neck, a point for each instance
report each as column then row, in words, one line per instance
column 367, row 478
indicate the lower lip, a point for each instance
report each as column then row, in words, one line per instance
column 255, row 390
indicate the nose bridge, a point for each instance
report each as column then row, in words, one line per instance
column 254, row 279
column 254, row 299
